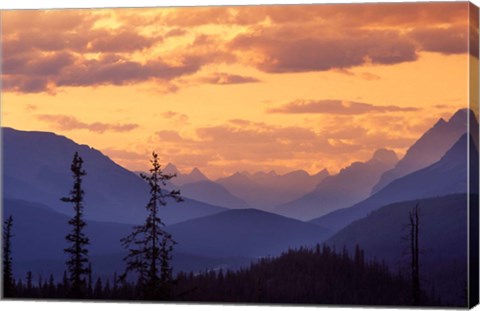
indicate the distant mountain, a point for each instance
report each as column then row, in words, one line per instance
column 212, row 193
column 447, row 176
column 442, row 239
column 181, row 179
column 266, row 190
column 351, row 185
column 431, row 146
column 36, row 167
column 247, row 233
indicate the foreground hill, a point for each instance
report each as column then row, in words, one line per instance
column 248, row 232
column 36, row 167
column 442, row 239
column 351, row 185
column 447, row 176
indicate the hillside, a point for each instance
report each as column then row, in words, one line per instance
column 442, row 239
column 247, row 233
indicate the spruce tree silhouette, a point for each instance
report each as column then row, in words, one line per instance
column 8, row 281
column 414, row 220
column 149, row 245
column 78, row 263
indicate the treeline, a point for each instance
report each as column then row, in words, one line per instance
column 303, row 276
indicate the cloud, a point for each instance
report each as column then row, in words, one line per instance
column 68, row 123
column 117, row 70
column 176, row 32
column 125, row 154
column 285, row 49
column 48, row 49
column 175, row 116
column 36, row 64
column 168, row 135
column 226, row 78
column 335, row 107
column 29, row 74
column 451, row 40
column 351, row 15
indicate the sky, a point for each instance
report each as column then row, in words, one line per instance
column 226, row 89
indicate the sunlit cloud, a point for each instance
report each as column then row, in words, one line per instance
column 336, row 107
column 70, row 123
column 222, row 78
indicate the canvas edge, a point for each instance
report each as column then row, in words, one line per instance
column 473, row 202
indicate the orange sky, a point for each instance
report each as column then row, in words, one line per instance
column 227, row 89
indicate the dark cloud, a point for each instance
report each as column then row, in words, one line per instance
column 36, row 64
column 116, row 70
column 226, row 78
column 451, row 40
column 335, row 107
column 25, row 84
column 289, row 50
column 343, row 15
column 175, row 32
column 30, row 73
column 120, row 41
column 68, row 123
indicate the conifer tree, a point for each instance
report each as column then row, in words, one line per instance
column 149, row 245
column 29, row 283
column 8, row 281
column 77, row 264
column 414, row 250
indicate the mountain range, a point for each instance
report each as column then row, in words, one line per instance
column 351, row 185
column 266, row 190
column 447, row 176
column 431, row 146
column 36, row 168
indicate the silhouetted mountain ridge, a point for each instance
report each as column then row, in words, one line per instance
column 447, row 176
column 36, row 167
column 352, row 184
column 431, row 146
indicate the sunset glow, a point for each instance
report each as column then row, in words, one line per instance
column 228, row 89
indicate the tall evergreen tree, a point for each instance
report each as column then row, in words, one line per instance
column 8, row 281
column 149, row 245
column 78, row 263
column 29, row 280
column 414, row 219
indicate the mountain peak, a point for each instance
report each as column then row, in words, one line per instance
column 460, row 116
column 323, row 172
column 170, row 169
column 440, row 122
column 196, row 173
column 385, row 156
